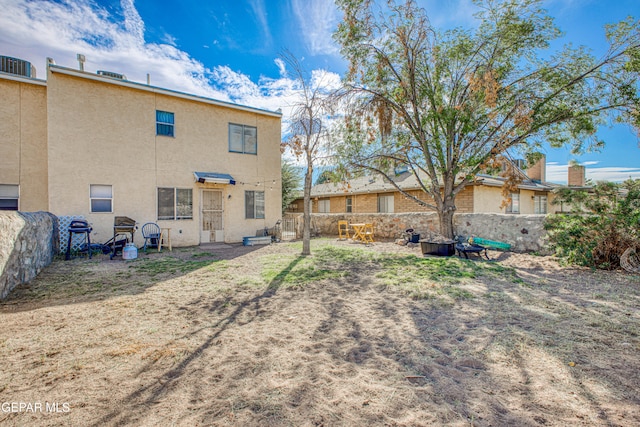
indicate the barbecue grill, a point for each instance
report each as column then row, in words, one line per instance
column 78, row 226
column 122, row 226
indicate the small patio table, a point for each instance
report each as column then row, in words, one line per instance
column 358, row 232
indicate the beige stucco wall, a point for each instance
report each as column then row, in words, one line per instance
column 23, row 141
column 101, row 133
column 488, row 199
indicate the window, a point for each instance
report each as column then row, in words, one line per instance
column 243, row 139
column 9, row 196
column 385, row 203
column 164, row 123
column 540, row 204
column 175, row 203
column 254, row 204
column 324, row 206
column 349, row 205
column 514, row 206
column 101, row 197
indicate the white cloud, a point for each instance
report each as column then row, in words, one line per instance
column 281, row 67
column 558, row 173
column 260, row 13
column 317, row 20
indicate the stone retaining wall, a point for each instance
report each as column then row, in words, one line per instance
column 525, row 233
column 28, row 243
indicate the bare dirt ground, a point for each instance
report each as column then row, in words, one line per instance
column 244, row 336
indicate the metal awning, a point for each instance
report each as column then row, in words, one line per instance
column 214, row 178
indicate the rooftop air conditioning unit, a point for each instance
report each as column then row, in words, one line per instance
column 16, row 66
column 112, row 75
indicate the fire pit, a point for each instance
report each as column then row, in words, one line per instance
column 443, row 248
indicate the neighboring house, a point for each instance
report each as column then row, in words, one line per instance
column 374, row 194
column 101, row 146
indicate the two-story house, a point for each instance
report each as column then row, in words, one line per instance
column 100, row 146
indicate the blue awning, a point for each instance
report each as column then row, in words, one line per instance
column 214, row 178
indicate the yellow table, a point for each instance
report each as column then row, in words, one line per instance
column 165, row 237
column 358, row 232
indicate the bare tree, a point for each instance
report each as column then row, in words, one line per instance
column 308, row 137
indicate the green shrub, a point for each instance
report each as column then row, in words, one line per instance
column 604, row 221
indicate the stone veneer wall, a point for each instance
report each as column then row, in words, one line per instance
column 525, row 233
column 28, row 243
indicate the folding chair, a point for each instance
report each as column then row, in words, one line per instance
column 368, row 233
column 343, row 230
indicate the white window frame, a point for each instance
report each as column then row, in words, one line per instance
column 10, row 192
column 175, row 204
column 258, row 208
column 243, row 131
column 171, row 125
column 514, row 204
column 96, row 195
column 540, row 205
column 324, row 206
column 386, row 203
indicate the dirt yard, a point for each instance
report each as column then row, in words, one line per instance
column 351, row 336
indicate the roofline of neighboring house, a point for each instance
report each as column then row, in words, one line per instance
column 158, row 90
column 23, row 79
column 538, row 186
column 523, row 186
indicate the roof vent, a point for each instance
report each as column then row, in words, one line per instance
column 16, row 66
column 112, row 75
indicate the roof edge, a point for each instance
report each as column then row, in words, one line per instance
column 23, row 79
column 141, row 86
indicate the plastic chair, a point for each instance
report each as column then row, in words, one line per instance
column 151, row 234
column 343, row 230
column 368, row 233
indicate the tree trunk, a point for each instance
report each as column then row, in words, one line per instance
column 306, row 216
column 446, row 222
column 446, row 209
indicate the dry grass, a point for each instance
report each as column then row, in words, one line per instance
column 353, row 335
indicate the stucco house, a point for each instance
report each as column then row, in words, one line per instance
column 100, row 146
column 374, row 194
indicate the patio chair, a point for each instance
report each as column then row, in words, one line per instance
column 151, row 234
column 343, row 230
column 368, row 233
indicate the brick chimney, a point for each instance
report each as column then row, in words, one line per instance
column 576, row 176
column 538, row 172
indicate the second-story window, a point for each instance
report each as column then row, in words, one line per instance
column 243, row 139
column 164, row 123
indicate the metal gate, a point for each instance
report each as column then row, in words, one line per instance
column 289, row 229
column 212, row 226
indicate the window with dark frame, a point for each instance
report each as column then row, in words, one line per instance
column 101, row 198
column 254, row 204
column 175, row 203
column 243, row 139
column 9, row 197
column 349, row 205
column 164, row 123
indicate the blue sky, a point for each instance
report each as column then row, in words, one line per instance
column 229, row 49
